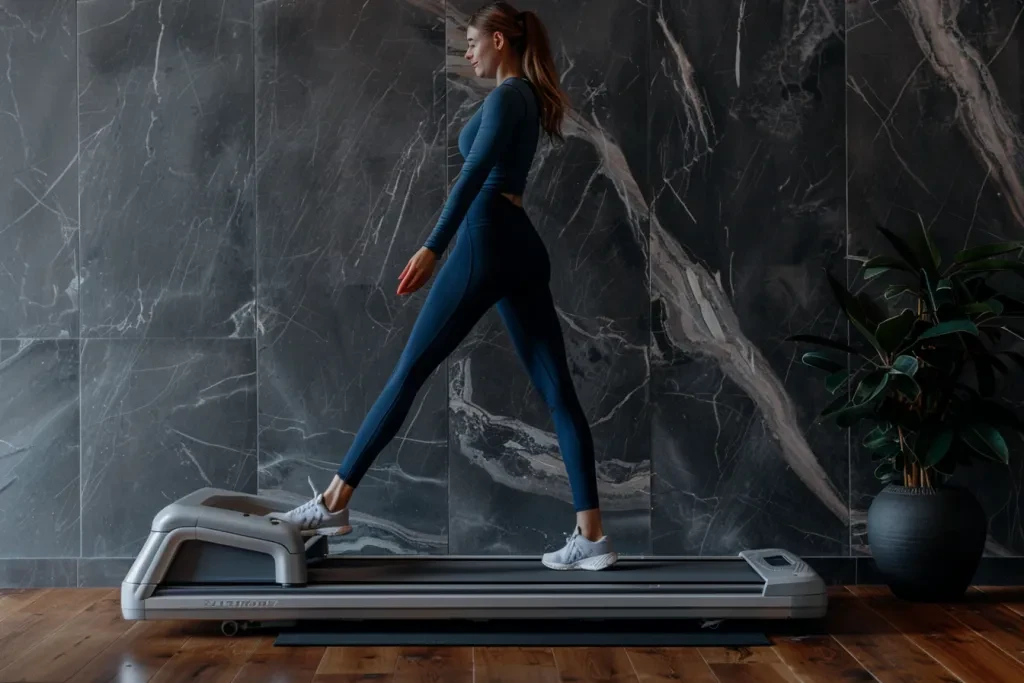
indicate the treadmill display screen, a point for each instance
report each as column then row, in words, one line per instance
column 777, row 561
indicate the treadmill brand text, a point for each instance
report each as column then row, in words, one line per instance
column 240, row 603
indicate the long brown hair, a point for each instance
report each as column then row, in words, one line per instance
column 529, row 38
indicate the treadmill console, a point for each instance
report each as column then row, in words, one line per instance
column 783, row 572
column 778, row 561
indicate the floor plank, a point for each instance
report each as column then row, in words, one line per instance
column 951, row 643
column 754, row 673
column 137, row 655
column 879, row 646
column 434, row 665
column 1011, row 597
column 68, row 649
column 820, row 659
column 12, row 600
column 594, row 665
column 515, row 665
column 997, row 624
column 358, row 660
column 666, row 665
column 739, row 655
column 207, row 658
column 270, row 664
column 26, row 627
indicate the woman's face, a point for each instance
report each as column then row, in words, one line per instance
column 484, row 52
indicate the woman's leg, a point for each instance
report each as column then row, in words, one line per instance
column 457, row 300
column 455, row 304
column 532, row 322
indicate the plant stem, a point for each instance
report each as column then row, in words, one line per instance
column 908, row 474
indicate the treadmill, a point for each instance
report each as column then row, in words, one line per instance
column 214, row 555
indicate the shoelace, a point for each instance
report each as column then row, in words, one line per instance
column 572, row 547
column 311, row 505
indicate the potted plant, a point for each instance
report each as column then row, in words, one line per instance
column 920, row 380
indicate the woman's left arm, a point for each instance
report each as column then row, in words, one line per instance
column 501, row 113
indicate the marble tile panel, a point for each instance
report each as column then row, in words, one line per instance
column 38, row 170
column 39, row 466
column 167, row 168
column 160, row 419
column 38, row 573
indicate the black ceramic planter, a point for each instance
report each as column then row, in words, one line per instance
column 927, row 542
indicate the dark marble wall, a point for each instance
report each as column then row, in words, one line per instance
column 198, row 261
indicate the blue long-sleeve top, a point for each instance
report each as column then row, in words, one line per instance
column 498, row 144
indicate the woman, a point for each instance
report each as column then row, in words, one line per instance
column 498, row 259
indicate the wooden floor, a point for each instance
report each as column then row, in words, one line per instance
column 78, row 635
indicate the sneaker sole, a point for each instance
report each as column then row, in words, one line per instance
column 590, row 564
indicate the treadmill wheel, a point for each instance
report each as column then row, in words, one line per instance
column 229, row 628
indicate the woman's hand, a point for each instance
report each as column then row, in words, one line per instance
column 417, row 271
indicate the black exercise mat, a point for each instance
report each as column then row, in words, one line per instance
column 520, row 634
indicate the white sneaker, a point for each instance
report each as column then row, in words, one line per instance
column 579, row 553
column 314, row 519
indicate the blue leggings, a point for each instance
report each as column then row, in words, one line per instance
column 498, row 259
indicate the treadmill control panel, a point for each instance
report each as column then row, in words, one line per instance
column 783, row 572
column 778, row 561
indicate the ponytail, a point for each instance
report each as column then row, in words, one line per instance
column 527, row 34
column 539, row 67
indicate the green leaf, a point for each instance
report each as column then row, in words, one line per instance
column 817, row 359
column 906, row 365
column 879, row 265
column 876, row 439
column 986, row 440
column 887, row 262
column 872, row 273
column 836, row 380
column 836, row 406
column 992, row 307
column 906, row 385
column 851, row 307
column 891, row 332
column 823, row 341
column 870, row 387
column 878, row 430
column 987, row 250
column 894, row 291
column 949, row 327
column 938, row 446
column 886, row 472
column 993, row 265
column 902, row 248
column 885, row 452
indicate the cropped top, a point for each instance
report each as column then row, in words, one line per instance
column 498, row 144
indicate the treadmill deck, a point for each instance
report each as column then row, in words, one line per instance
column 215, row 554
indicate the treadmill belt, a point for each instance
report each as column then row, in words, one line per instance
column 543, row 633
column 527, row 571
